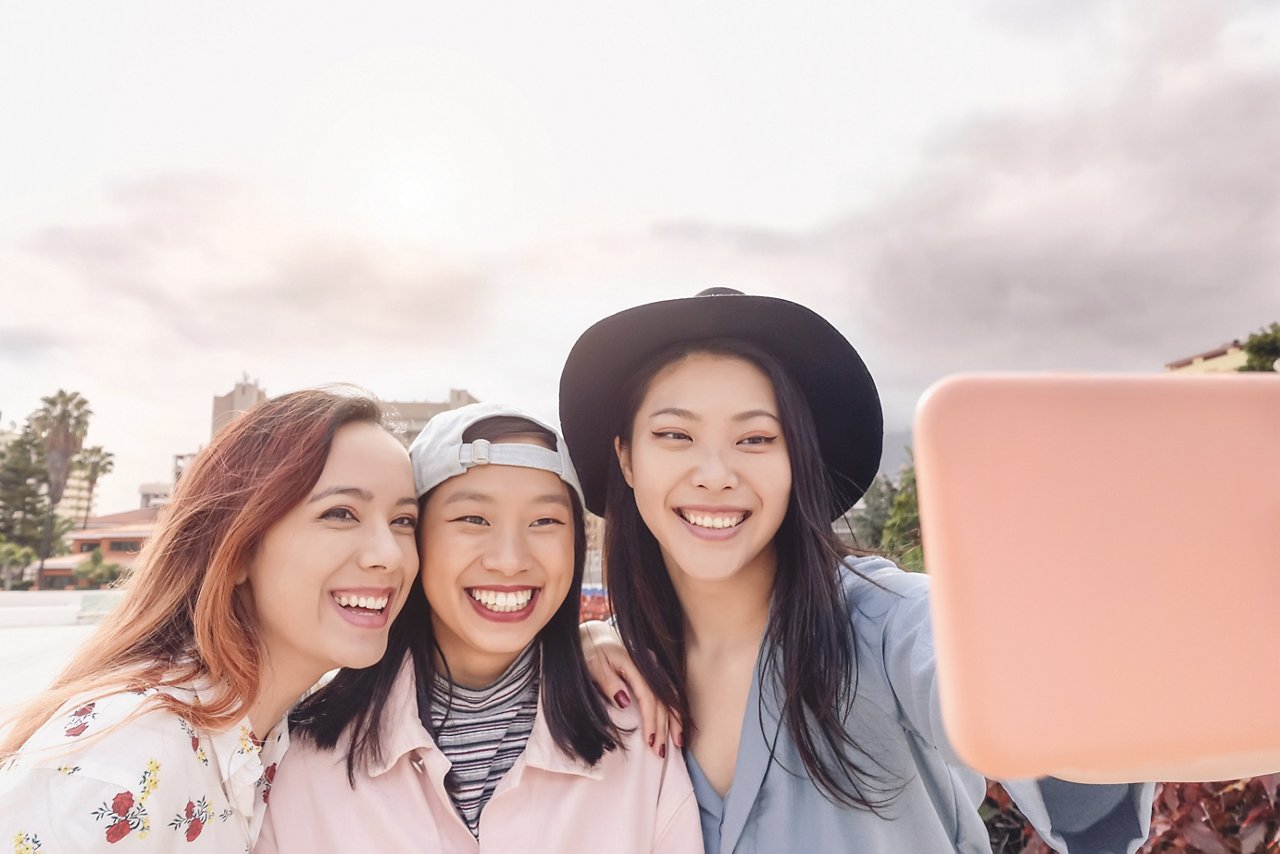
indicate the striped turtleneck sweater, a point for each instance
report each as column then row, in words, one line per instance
column 483, row 731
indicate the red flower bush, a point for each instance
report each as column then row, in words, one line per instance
column 1231, row 817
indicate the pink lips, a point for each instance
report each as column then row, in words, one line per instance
column 363, row 617
column 504, row 616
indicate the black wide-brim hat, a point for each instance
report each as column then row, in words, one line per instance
column 830, row 373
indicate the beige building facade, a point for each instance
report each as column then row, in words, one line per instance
column 1228, row 358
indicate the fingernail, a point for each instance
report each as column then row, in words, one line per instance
column 680, row 739
column 651, row 735
column 662, row 752
column 622, row 699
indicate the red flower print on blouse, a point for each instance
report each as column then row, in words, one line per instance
column 80, row 720
column 193, row 818
column 122, row 803
column 122, row 815
column 118, row 831
column 269, row 775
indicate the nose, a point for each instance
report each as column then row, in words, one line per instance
column 507, row 552
column 383, row 551
column 714, row 469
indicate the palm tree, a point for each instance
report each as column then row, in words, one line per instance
column 61, row 422
column 95, row 463
column 13, row 556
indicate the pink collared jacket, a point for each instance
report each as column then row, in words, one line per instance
column 630, row 801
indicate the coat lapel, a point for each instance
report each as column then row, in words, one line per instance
column 757, row 743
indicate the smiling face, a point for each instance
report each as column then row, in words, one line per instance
column 328, row 578
column 497, row 562
column 709, row 467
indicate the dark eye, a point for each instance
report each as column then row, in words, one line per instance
column 339, row 514
column 471, row 520
column 406, row 521
column 671, row 434
column 547, row 520
column 758, row 440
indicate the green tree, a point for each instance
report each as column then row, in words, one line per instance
column 868, row 524
column 61, row 422
column 95, row 463
column 901, row 538
column 97, row 571
column 13, row 558
column 24, row 505
column 1262, row 349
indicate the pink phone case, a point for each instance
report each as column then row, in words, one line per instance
column 1105, row 554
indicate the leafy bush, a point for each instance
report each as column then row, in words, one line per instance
column 1231, row 817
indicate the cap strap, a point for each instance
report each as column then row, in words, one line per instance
column 483, row 452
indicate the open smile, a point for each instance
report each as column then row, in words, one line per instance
column 364, row 607
column 713, row 521
column 503, row 604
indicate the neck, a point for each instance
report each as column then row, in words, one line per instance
column 471, row 668
column 727, row 614
column 277, row 692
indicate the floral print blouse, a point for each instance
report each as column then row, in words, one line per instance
column 154, row 783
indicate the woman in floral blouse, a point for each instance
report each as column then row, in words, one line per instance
column 286, row 552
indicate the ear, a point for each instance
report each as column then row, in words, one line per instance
column 624, row 459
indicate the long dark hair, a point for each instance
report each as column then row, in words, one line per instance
column 808, row 643
column 575, row 712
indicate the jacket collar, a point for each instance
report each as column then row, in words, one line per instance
column 404, row 735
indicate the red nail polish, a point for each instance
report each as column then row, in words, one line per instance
column 651, row 735
column 622, row 699
column 662, row 751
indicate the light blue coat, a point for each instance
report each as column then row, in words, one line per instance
column 772, row 806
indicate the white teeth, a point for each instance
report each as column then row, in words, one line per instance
column 369, row 603
column 706, row 520
column 502, row 601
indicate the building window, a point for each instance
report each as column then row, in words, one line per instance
column 125, row 546
column 88, row 547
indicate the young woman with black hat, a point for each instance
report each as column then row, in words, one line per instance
column 719, row 436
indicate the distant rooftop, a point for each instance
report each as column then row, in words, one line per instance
column 1229, row 349
column 146, row 515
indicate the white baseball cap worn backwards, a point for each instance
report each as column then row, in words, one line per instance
column 440, row 453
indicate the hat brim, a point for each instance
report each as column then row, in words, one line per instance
column 828, row 370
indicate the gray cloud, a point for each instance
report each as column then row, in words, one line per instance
column 172, row 255
column 1122, row 230
column 27, row 344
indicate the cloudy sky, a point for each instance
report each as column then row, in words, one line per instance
column 422, row 196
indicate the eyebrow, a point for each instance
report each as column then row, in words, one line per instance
column 741, row 416
column 485, row 498
column 354, row 492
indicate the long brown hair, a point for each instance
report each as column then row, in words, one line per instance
column 181, row 619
